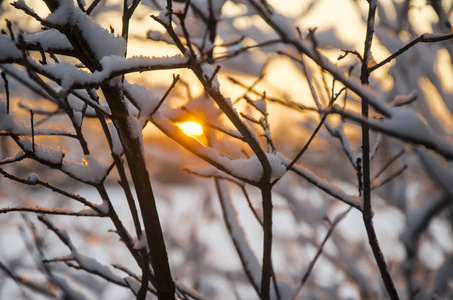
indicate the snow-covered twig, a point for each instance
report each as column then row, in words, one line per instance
column 424, row 38
column 320, row 249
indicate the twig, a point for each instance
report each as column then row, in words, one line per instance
column 335, row 222
column 389, row 178
column 424, row 38
column 32, row 132
column 204, row 121
column 47, row 185
column 235, row 53
column 92, row 6
column 10, row 29
column 33, row 285
column 388, row 164
column 170, row 88
column 312, row 137
column 366, row 196
column 182, row 20
column 49, row 211
column 6, row 85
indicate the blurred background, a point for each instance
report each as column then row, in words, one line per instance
column 412, row 210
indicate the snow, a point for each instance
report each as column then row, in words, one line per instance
column 248, row 258
column 326, row 186
column 77, row 118
column 211, row 171
column 9, row 122
column 103, row 207
column 50, row 39
column 67, row 74
column 261, row 106
column 33, row 178
column 406, row 122
column 8, row 50
column 441, row 171
column 276, row 162
column 93, row 266
column 403, row 99
column 209, row 74
column 90, row 170
column 249, row 169
column 63, row 14
column 134, row 128
column 142, row 242
column 51, row 155
column 70, row 76
column 164, row 16
column 99, row 39
column 133, row 284
column 19, row 155
column 117, row 147
column 116, row 63
column 143, row 98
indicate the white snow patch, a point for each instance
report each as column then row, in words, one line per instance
column 133, row 127
column 406, row 122
column 50, row 39
column 53, row 155
column 144, row 98
column 8, row 50
column 90, row 170
column 142, row 242
column 33, row 178
column 209, row 73
column 99, row 39
column 117, row 147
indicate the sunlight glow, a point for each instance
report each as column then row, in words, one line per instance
column 191, row 128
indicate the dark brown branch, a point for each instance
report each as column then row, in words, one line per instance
column 235, row 53
column 366, row 193
column 92, row 6
column 266, row 194
column 6, row 85
column 424, row 38
column 170, row 88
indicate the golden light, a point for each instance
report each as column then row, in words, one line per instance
column 191, row 128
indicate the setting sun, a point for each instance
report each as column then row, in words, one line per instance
column 191, row 128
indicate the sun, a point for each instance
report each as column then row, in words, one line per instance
column 191, row 128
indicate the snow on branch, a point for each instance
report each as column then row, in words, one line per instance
column 405, row 124
column 326, row 186
column 85, row 263
column 50, row 211
column 90, row 170
column 70, row 77
column 249, row 171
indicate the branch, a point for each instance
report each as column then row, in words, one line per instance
column 366, row 195
column 50, row 211
column 335, row 222
column 424, row 38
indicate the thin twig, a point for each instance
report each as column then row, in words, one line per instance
column 6, row 85
column 32, row 132
column 170, row 88
column 389, row 163
column 366, row 195
column 335, row 222
column 424, row 38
